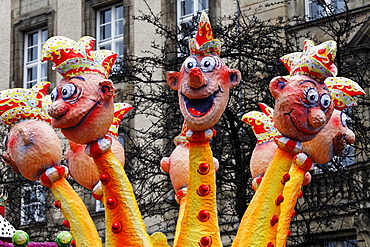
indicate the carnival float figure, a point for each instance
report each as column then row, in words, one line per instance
column 203, row 86
column 33, row 149
column 83, row 109
column 301, row 114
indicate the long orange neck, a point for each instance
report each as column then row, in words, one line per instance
column 199, row 225
column 74, row 210
column 124, row 224
column 259, row 224
column 292, row 189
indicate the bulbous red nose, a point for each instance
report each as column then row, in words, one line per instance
column 196, row 78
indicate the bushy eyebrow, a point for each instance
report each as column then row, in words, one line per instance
column 77, row 77
column 314, row 83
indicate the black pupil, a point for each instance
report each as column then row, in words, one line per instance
column 190, row 65
column 326, row 102
column 64, row 91
column 312, row 97
column 207, row 64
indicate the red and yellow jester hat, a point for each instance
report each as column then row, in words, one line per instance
column 316, row 62
column 73, row 58
column 204, row 43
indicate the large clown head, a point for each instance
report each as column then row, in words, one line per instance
column 204, row 81
column 303, row 104
column 83, row 101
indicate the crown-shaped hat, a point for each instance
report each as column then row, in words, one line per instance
column 316, row 62
column 19, row 104
column 262, row 123
column 342, row 91
column 204, row 43
column 73, row 58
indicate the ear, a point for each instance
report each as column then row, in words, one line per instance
column 172, row 79
column 235, row 77
column 165, row 164
column 107, row 89
column 277, row 85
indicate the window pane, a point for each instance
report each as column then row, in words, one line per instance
column 32, row 39
column 32, row 73
column 44, row 36
column 105, row 47
column 32, row 54
column 44, row 71
column 119, row 12
column 105, row 16
column 105, row 32
column 187, row 7
column 119, row 48
column 203, row 4
column 119, row 27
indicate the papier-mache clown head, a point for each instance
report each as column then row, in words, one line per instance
column 303, row 104
column 81, row 166
column 83, row 101
column 204, row 81
column 31, row 145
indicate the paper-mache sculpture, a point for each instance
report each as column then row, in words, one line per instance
column 289, row 140
column 33, row 149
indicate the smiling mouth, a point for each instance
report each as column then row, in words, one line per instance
column 305, row 131
column 86, row 115
column 199, row 107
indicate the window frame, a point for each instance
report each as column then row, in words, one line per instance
column 115, row 38
column 188, row 17
column 325, row 11
column 41, row 67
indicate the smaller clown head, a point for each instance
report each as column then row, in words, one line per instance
column 204, row 81
column 83, row 101
column 303, row 104
column 31, row 145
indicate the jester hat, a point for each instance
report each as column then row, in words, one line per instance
column 72, row 58
column 316, row 62
column 204, row 42
column 20, row 104
column 120, row 110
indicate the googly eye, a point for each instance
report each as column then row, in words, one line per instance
column 312, row 95
column 190, row 63
column 5, row 141
column 208, row 64
column 344, row 119
column 68, row 91
column 325, row 100
column 54, row 94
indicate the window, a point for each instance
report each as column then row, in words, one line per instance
column 320, row 8
column 34, row 69
column 110, row 23
column 186, row 9
column 32, row 204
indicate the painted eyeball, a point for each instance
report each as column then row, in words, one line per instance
column 5, row 141
column 312, row 96
column 325, row 100
column 208, row 64
column 54, row 94
column 344, row 119
column 190, row 63
column 71, row 93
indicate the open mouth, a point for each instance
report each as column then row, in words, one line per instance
column 199, row 107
